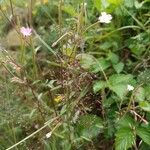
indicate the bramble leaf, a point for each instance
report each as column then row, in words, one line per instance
column 89, row 126
column 99, row 85
column 126, row 121
column 145, row 105
column 118, row 67
column 125, row 138
column 119, row 89
column 140, row 94
column 119, row 82
column 144, row 134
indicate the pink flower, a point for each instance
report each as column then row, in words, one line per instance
column 26, row 31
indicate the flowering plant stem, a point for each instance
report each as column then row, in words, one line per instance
column 91, row 26
column 22, row 59
column 35, row 74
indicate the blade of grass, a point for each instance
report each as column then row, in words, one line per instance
column 136, row 20
column 108, row 34
column 45, row 44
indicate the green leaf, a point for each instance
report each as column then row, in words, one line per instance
column 115, row 2
column 126, row 121
column 120, row 78
column 108, row 102
column 113, row 58
column 86, row 60
column 136, row 48
column 119, row 82
column 100, row 64
column 129, row 3
column 99, row 85
column 97, row 4
column 125, row 138
column 144, row 134
column 104, row 63
column 119, row 89
column 144, row 146
column 140, row 94
column 144, row 77
column 118, row 67
column 70, row 10
column 89, row 126
column 145, row 105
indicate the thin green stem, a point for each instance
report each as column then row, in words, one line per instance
column 22, row 59
column 7, row 69
column 91, row 26
column 35, row 72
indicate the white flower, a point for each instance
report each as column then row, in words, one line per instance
column 84, row 4
column 130, row 88
column 48, row 135
column 105, row 18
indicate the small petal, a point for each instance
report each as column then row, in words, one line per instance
column 84, row 4
column 130, row 88
column 26, row 31
column 59, row 98
column 105, row 18
column 48, row 135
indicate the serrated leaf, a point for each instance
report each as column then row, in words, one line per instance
column 86, row 60
column 99, row 85
column 145, row 105
column 144, row 77
column 101, row 64
column 118, row 84
column 119, row 89
column 113, row 58
column 89, row 126
column 125, row 138
column 140, row 94
column 108, row 102
column 120, row 78
column 118, row 67
column 144, row 134
column 136, row 48
column 126, row 121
